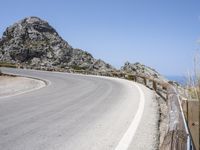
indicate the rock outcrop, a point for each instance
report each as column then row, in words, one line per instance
column 32, row 42
column 137, row 68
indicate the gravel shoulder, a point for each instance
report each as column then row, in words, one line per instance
column 10, row 85
column 148, row 130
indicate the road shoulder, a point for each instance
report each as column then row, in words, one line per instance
column 14, row 85
column 148, row 129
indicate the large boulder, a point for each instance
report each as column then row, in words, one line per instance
column 140, row 69
column 33, row 42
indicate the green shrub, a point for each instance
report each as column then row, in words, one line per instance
column 76, row 67
column 6, row 64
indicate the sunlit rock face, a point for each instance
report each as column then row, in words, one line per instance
column 33, row 42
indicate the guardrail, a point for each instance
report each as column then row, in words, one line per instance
column 177, row 136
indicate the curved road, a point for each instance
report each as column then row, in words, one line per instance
column 77, row 112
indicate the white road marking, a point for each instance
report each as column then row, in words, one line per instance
column 129, row 134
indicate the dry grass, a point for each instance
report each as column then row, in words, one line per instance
column 193, row 93
column 193, row 79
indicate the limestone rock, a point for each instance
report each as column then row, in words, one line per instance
column 137, row 68
column 33, row 42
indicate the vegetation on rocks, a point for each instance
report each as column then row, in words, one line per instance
column 6, row 64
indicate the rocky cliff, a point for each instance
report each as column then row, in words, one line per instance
column 33, row 42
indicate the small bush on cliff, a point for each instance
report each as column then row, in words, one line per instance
column 5, row 64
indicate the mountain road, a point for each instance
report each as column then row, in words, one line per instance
column 79, row 112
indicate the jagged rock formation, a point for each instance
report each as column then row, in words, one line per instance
column 33, row 42
column 137, row 68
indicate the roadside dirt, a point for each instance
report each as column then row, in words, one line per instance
column 163, row 118
column 11, row 85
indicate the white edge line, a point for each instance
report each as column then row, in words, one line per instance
column 129, row 134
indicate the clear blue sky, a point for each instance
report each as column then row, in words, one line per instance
column 162, row 34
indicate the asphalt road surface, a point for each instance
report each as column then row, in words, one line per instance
column 77, row 112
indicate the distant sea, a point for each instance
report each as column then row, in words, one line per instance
column 180, row 79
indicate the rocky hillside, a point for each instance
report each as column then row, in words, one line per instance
column 137, row 68
column 33, row 42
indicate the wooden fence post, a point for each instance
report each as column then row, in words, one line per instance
column 134, row 78
column 184, row 104
column 154, row 86
column 193, row 121
column 145, row 81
